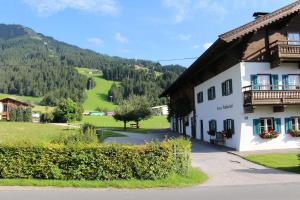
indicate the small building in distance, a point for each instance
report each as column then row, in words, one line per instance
column 7, row 104
column 160, row 110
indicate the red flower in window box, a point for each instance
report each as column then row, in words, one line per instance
column 227, row 134
column 269, row 134
column 294, row 133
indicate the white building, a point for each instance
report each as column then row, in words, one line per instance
column 160, row 110
column 245, row 87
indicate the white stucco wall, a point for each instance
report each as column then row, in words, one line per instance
column 249, row 141
column 223, row 107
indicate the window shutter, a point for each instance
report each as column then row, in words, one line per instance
column 232, row 126
column 277, row 125
column 285, row 81
column 256, row 126
column 275, row 82
column 209, row 94
column 288, row 125
column 230, row 87
column 223, row 88
column 224, row 125
column 254, row 83
column 214, row 92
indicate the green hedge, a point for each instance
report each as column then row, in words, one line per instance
column 98, row 162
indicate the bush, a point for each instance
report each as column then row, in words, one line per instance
column 68, row 111
column 47, row 117
column 95, row 162
column 86, row 135
column 20, row 114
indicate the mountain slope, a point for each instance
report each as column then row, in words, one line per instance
column 33, row 64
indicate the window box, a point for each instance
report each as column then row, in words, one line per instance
column 227, row 134
column 211, row 133
column 294, row 133
column 269, row 134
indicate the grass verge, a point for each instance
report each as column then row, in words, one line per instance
column 287, row 161
column 194, row 177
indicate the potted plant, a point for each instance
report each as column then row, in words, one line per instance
column 269, row 134
column 294, row 133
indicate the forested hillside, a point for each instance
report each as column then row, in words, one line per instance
column 36, row 65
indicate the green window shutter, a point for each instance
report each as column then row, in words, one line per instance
column 223, row 89
column 209, row 94
column 225, row 125
column 232, row 126
column 256, row 126
column 198, row 98
column 288, row 125
column 277, row 125
column 230, row 87
column 275, row 82
column 285, row 81
column 214, row 92
column 254, row 83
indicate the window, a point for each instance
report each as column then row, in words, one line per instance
column 296, row 123
column 200, row 97
column 264, row 82
column 5, row 108
column 212, row 125
column 229, row 125
column 294, row 38
column 227, row 88
column 211, row 93
column 266, row 125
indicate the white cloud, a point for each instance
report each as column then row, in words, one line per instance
column 184, row 37
column 50, row 7
column 185, row 9
column 95, row 41
column 120, row 38
column 207, row 45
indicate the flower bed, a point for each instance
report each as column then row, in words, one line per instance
column 294, row 133
column 269, row 135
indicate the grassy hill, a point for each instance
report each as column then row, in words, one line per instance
column 97, row 97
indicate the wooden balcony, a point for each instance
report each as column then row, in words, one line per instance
column 266, row 95
column 284, row 51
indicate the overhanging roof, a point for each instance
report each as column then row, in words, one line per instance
column 225, row 39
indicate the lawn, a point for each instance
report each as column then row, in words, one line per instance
column 194, row 177
column 287, row 161
column 97, row 97
column 156, row 122
column 14, row 133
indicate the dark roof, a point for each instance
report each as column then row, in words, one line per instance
column 225, row 39
column 15, row 100
column 261, row 22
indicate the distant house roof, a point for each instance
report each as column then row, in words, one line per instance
column 14, row 100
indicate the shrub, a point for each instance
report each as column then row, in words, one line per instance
column 47, row 117
column 95, row 162
column 67, row 111
column 294, row 133
column 20, row 114
column 86, row 135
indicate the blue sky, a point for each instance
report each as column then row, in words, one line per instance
column 148, row 29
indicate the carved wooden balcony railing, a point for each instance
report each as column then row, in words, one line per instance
column 272, row 95
column 284, row 51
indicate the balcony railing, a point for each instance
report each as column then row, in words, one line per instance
column 272, row 95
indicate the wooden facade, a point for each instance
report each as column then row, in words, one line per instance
column 8, row 104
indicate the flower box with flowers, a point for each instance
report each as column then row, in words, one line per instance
column 269, row 134
column 227, row 134
column 211, row 133
column 294, row 133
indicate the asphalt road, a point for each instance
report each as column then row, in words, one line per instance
column 258, row 192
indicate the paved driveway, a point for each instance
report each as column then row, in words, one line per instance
column 227, row 169
column 223, row 168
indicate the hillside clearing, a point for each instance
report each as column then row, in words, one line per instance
column 97, row 97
